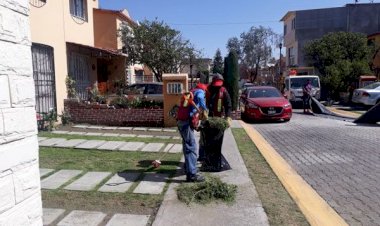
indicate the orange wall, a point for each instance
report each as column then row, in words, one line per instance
column 105, row 30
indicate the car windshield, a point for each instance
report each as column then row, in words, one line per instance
column 372, row 86
column 135, row 89
column 296, row 83
column 260, row 93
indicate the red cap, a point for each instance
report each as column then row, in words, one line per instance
column 201, row 86
column 217, row 82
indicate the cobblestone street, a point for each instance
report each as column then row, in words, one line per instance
column 339, row 159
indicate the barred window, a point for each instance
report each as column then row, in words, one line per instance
column 78, row 8
column 174, row 88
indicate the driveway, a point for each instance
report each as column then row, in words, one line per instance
column 339, row 159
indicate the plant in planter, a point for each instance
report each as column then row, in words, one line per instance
column 94, row 95
column 65, row 117
column 120, row 102
column 70, row 87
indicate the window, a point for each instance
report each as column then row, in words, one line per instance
column 285, row 29
column 78, row 8
column 175, row 88
column 294, row 23
column 292, row 56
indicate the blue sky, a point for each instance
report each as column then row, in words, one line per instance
column 208, row 24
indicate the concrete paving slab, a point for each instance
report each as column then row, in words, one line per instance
column 93, row 134
column 60, row 132
column 145, row 136
column 42, row 138
column 90, row 144
column 44, row 171
column 95, row 127
column 152, row 183
column 125, row 128
column 176, row 138
column 177, row 148
column 132, row 146
column 120, row 182
column 81, row 126
column 88, row 181
column 50, row 215
column 111, row 134
column 155, row 129
column 163, row 137
column 153, row 147
column 170, row 130
column 168, row 147
column 51, row 142
column 59, row 178
column 127, row 135
column 109, row 128
column 76, row 133
column 111, row 145
column 140, row 128
column 70, row 143
column 82, row 218
column 128, row 219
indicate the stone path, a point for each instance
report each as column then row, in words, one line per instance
column 62, row 132
column 90, row 218
column 59, row 178
column 170, row 130
column 152, row 183
column 110, row 145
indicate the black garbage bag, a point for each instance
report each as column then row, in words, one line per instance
column 213, row 134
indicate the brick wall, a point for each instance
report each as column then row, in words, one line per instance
column 20, row 195
column 101, row 115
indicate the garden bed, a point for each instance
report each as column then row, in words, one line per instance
column 102, row 114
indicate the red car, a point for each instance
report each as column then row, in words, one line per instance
column 264, row 103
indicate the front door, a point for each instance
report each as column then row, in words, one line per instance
column 44, row 78
column 102, row 76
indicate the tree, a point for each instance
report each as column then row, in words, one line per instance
column 256, row 45
column 340, row 58
column 233, row 44
column 231, row 78
column 218, row 63
column 156, row 45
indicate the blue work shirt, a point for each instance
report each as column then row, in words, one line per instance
column 199, row 100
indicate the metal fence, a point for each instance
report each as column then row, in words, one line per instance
column 80, row 72
column 44, row 78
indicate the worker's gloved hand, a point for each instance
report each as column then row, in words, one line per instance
column 229, row 121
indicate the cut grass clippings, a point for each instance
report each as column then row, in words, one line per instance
column 212, row 189
column 126, row 139
column 279, row 206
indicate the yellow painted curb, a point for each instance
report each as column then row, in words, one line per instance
column 344, row 113
column 313, row 206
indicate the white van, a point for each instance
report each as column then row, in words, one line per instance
column 293, row 86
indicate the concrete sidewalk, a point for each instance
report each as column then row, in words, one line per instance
column 247, row 210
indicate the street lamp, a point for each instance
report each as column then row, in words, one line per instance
column 191, row 71
column 280, row 45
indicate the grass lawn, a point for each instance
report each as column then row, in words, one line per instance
column 96, row 160
column 110, row 161
column 126, row 139
column 278, row 205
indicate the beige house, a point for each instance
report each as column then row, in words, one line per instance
column 64, row 43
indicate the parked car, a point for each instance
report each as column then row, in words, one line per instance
column 146, row 91
column 368, row 95
column 263, row 103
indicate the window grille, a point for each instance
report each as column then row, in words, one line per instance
column 78, row 8
column 174, row 88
